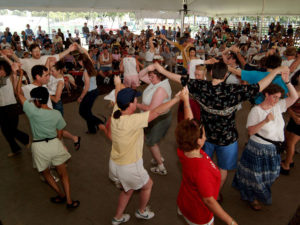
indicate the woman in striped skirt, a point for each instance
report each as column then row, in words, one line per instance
column 259, row 165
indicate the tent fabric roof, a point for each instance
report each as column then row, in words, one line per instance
column 198, row 7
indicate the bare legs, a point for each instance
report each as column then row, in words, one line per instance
column 156, row 154
column 62, row 171
column 291, row 140
column 68, row 135
column 125, row 197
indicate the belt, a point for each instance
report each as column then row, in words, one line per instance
column 46, row 139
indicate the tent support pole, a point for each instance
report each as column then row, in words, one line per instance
column 48, row 23
column 182, row 24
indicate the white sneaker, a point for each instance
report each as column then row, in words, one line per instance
column 159, row 171
column 154, row 163
column 123, row 219
column 146, row 215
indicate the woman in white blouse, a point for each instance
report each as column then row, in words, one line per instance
column 259, row 165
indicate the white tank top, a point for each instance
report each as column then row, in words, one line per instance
column 30, row 42
column 7, row 96
column 52, row 85
column 105, row 60
column 151, row 89
column 149, row 56
column 129, row 66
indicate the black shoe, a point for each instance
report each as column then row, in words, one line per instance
column 77, row 144
column 284, row 171
column 73, row 205
column 292, row 164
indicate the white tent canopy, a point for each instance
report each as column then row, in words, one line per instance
column 198, row 7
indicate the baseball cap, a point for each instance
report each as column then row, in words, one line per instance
column 126, row 96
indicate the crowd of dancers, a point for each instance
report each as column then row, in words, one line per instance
column 218, row 69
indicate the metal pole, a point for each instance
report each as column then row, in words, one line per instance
column 48, row 23
column 184, row 3
column 182, row 23
column 262, row 20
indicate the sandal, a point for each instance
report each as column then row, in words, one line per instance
column 292, row 164
column 77, row 144
column 58, row 199
column 255, row 205
column 73, row 205
column 12, row 154
column 284, row 171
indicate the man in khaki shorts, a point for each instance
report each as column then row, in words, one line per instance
column 47, row 148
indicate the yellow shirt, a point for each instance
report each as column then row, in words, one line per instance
column 127, row 135
column 181, row 48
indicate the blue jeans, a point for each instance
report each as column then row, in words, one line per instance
column 58, row 106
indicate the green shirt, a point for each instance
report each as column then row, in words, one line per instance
column 43, row 122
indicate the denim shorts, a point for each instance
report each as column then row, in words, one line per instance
column 227, row 156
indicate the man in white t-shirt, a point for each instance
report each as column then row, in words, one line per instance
column 37, row 59
column 41, row 77
column 243, row 39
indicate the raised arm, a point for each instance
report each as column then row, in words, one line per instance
column 172, row 76
column 236, row 50
column 224, row 55
column 166, row 39
column 118, row 86
column 295, row 64
column 152, row 49
column 71, row 48
column 143, row 74
column 268, row 79
column 293, row 95
column 20, row 95
column 235, row 71
column 185, row 51
column 188, row 114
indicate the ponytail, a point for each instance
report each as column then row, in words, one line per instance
column 117, row 114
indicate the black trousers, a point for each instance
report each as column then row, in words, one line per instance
column 85, row 111
column 9, row 119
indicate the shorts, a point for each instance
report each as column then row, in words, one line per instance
column 227, row 155
column 293, row 127
column 157, row 129
column 190, row 223
column 46, row 154
column 132, row 176
column 106, row 68
column 131, row 80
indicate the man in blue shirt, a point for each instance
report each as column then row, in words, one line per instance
column 252, row 77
